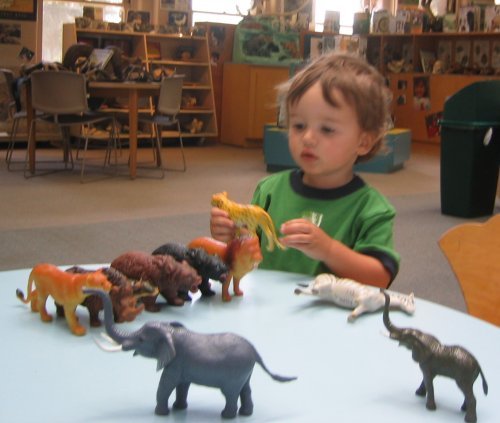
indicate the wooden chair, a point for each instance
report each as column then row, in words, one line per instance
column 473, row 251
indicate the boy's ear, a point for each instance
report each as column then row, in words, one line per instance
column 366, row 142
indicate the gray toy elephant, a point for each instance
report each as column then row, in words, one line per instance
column 435, row 359
column 223, row 361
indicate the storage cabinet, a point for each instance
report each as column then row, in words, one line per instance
column 478, row 54
column 249, row 102
column 186, row 55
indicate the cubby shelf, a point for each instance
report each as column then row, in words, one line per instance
column 186, row 55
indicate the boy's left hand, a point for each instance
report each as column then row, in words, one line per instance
column 305, row 236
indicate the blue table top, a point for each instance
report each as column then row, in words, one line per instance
column 347, row 372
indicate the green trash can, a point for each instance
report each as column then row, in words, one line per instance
column 470, row 150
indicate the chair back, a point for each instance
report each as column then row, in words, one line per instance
column 169, row 100
column 58, row 92
column 9, row 82
column 473, row 249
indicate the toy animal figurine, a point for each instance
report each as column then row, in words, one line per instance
column 165, row 272
column 241, row 255
column 435, row 359
column 351, row 294
column 124, row 294
column 223, row 360
column 208, row 266
column 65, row 288
column 249, row 216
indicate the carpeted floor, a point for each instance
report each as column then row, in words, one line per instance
column 56, row 219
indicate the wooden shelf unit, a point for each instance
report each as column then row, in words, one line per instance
column 164, row 50
column 381, row 48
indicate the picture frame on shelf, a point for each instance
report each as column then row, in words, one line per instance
column 24, row 10
column 138, row 17
column 167, row 4
column 427, row 60
column 178, row 19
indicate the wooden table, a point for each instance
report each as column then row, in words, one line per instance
column 131, row 90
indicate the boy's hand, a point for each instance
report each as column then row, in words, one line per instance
column 305, row 236
column 221, row 227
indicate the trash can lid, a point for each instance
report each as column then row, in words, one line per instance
column 468, row 124
column 479, row 101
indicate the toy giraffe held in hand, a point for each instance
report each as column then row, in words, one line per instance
column 249, row 216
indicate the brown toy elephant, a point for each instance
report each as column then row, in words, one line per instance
column 165, row 272
column 124, row 294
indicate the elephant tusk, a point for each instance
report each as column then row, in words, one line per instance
column 112, row 346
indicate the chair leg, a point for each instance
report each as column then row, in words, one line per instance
column 12, row 142
column 159, row 161
column 82, row 171
column 67, row 155
column 181, row 143
column 27, row 172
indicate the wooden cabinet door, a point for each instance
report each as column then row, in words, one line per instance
column 263, row 93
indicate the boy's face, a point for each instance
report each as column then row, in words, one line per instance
column 325, row 141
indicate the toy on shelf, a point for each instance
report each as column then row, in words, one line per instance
column 249, row 217
column 241, row 255
column 124, row 294
column 351, row 294
column 435, row 359
column 208, row 266
column 224, row 360
column 65, row 288
column 165, row 272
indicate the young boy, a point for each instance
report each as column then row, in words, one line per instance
column 331, row 221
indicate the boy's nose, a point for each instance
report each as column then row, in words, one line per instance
column 308, row 138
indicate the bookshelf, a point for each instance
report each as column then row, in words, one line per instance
column 186, row 55
column 466, row 58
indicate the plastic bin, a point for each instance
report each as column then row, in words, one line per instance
column 470, row 150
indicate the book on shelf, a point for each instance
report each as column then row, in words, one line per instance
column 495, row 54
column 444, row 53
column 332, row 22
column 481, row 53
column 403, row 21
column 469, row 18
column 462, row 52
column 492, row 18
column 427, row 60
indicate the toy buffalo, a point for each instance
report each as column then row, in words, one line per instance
column 165, row 272
column 207, row 265
column 124, row 294
column 65, row 288
column 436, row 359
column 222, row 360
column 241, row 255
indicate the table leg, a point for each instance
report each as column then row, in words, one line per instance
column 30, row 115
column 133, row 120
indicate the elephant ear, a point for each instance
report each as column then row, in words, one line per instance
column 165, row 351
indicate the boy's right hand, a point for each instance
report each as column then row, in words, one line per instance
column 222, row 228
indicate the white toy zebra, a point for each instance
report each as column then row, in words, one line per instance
column 351, row 294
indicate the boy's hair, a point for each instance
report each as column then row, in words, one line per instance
column 361, row 85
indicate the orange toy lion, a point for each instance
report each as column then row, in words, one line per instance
column 65, row 288
column 241, row 255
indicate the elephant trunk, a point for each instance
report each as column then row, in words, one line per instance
column 393, row 330
column 120, row 337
